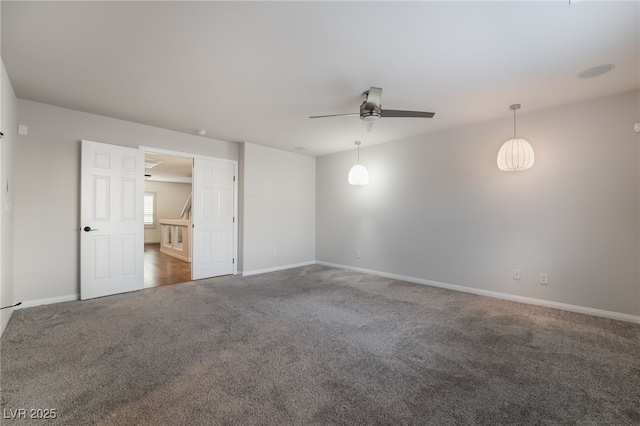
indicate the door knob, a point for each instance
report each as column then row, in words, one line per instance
column 88, row 229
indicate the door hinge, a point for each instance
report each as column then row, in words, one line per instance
column 234, row 178
column 234, row 220
column 234, row 260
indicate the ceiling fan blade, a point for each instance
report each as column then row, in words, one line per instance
column 374, row 97
column 334, row 115
column 400, row 113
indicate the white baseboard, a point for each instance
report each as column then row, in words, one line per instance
column 49, row 301
column 505, row 296
column 277, row 268
column 5, row 320
column 514, row 298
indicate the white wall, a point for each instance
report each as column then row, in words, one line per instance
column 437, row 207
column 278, row 209
column 9, row 126
column 47, row 189
column 170, row 200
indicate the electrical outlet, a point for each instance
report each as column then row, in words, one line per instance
column 544, row 279
column 516, row 274
column 357, row 255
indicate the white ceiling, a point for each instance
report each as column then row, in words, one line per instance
column 256, row 71
column 168, row 168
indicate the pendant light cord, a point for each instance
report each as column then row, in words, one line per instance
column 514, row 124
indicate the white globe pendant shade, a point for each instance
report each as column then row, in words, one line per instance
column 358, row 175
column 515, row 154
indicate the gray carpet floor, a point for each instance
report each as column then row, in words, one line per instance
column 317, row 346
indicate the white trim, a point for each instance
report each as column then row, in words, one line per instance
column 514, row 298
column 5, row 321
column 236, row 216
column 49, row 301
column 277, row 268
column 184, row 154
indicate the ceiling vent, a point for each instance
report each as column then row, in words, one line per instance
column 596, row 71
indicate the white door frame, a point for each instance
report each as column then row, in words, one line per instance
column 235, row 188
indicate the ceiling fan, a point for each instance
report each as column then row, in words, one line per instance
column 371, row 110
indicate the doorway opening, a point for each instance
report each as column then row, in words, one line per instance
column 112, row 217
column 167, row 210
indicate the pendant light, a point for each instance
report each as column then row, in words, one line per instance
column 358, row 175
column 515, row 154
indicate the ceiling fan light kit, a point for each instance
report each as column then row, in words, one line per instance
column 358, row 175
column 515, row 154
column 371, row 110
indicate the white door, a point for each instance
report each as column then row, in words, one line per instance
column 212, row 219
column 111, row 220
